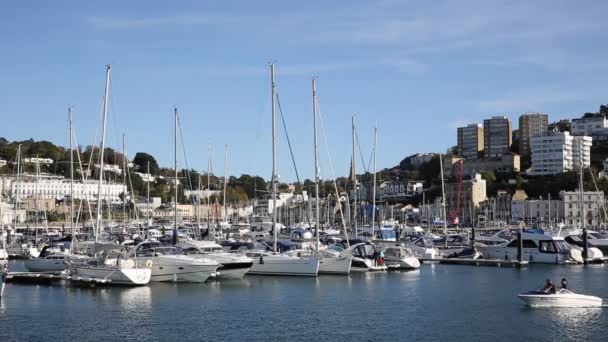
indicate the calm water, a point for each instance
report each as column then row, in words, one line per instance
column 438, row 302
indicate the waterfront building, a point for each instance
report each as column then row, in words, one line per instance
column 56, row 187
column 42, row 161
column 470, row 141
column 592, row 212
column 497, row 208
column 472, row 193
column 497, row 136
column 545, row 212
column 531, row 125
column 397, row 191
column 558, row 152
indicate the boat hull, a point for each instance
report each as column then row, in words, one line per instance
column 407, row 263
column 340, row 265
column 282, row 265
column 571, row 300
column 131, row 276
column 230, row 271
column 178, row 269
column 44, row 265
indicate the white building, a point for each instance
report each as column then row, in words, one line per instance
column 542, row 211
column 44, row 161
column 202, row 194
column 594, row 125
column 421, row 158
column 558, row 152
column 395, row 190
column 146, row 177
column 110, row 168
column 2, row 162
column 593, row 208
column 59, row 188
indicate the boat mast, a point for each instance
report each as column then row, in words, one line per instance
column 374, row 185
column 71, row 174
column 445, row 219
column 103, row 146
column 124, row 197
column 209, row 195
column 354, row 174
column 148, row 195
column 581, row 187
column 225, row 181
column 17, row 188
column 314, row 120
column 175, row 165
column 274, row 169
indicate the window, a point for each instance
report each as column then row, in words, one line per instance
column 547, row 247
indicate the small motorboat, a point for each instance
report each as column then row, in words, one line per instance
column 561, row 299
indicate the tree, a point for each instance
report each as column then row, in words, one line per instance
column 140, row 163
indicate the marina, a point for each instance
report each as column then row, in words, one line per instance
column 470, row 303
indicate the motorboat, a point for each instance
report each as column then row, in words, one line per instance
column 232, row 265
column 495, row 239
column 400, row 257
column 52, row 258
column 168, row 263
column 563, row 298
column 111, row 267
column 331, row 261
column 423, row 247
column 537, row 247
column 363, row 257
column 465, row 253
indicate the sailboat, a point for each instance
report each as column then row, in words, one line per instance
column 110, row 266
column 273, row 263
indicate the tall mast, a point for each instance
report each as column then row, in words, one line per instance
column 274, row 166
column 354, row 174
column 175, row 165
column 445, row 219
column 71, row 174
column 124, row 197
column 374, row 185
column 581, row 186
column 225, row 182
column 148, row 194
column 314, row 120
column 17, row 187
column 209, row 195
column 102, row 148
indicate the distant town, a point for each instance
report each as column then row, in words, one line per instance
column 495, row 174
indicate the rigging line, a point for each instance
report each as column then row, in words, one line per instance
column 333, row 176
column 128, row 173
column 365, row 168
column 291, row 153
column 181, row 138
column 82, row 175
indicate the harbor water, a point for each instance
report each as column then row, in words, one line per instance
column 435, row 303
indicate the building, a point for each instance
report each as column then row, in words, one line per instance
column 544, row 212
column 396, row 191
column 555, row 153
column 146, row 177
column 420, row 158
column 2, row 162
column 470, row 141
column 203, row 195
column 110, row 168
column 531, row 125
column 43, row 161
column 593, row 208
column 497, row 208
column 54, row 187
column 507, row 163
column 472, row 193
column 594, row 125
column 497, row 136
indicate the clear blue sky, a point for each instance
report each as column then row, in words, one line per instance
column 416, row 69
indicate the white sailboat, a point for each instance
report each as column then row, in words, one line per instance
column 110, row 266
column 231, row 265
column 273, row 263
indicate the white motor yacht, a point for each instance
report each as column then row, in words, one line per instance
column 561, row 299
column 362, row 257
column 423, row 247
column 232, row 265
column 168, row 263
column 52, row 258
column 401, row 257
column 110, row 267
column 537, row 247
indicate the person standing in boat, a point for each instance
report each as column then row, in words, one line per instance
column 564, row 284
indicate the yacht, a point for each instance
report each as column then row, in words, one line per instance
column 331, row 261
column 594, row 239
column 232, row 265
column 168, row 263
column 52, row 258
column 537, row 247
column 423, row 247
column 362, row 257
column 495, row 239
column 271, row 263
column 111, row 267
column 400, row 257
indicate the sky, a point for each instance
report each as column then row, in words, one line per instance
column 416, row 70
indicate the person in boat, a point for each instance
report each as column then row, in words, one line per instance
column 564, row 284
column 381, row 258
column 549, row 287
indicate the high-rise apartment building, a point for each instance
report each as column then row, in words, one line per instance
column 531, row 125
column 497, row 136
column 470, row 141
